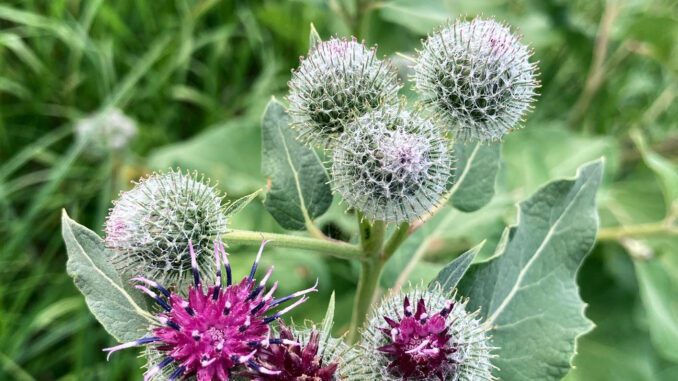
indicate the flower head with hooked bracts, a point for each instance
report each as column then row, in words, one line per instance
column 426, row 335
column 391, row 164
column 477, row 78
column 216, row 330
column 298, row 359
column 338, row 81
column 150, row 226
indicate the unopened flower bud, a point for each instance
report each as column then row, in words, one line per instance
column 477, row 78
column 150, row 228
column 391, row 164
column 338, row 81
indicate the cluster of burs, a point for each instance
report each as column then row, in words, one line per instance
column 391, row 161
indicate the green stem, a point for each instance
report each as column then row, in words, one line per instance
column 639, row 230
column 334, row 248
column 368, row 284
column 371, row 241
column 396, row 239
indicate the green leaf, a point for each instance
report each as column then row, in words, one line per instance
column 299, row 189
column 117, row 309
column 328, row 322
column 223, row 153
column 658, row 281
column 619, row 347
column 451, row 274
column 529, row 293
column 418, row 16
column 313, row 38
column 476, row 171
column 533, row 156
column 400, row 267
column 449, row 232
column 238, row 205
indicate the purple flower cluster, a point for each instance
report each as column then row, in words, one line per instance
column 294, row 361
column 419, row 344
column 219, row 331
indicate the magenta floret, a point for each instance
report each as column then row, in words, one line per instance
column 216, row 330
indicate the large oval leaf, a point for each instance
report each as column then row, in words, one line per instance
column 529, row 293
column 476, row 170
column 107, row 296
column 451, row 274
column 299, row 189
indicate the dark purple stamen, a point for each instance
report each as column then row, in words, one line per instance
column 194, row 265
column 205, row 332
column 419, row 344
column 177, row 372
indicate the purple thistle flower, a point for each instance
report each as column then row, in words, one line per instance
column 426, row 335
column 294, row 361
column 420, row 344
column 213, row 331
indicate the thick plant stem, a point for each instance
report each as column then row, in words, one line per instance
column 396, row 239
column 334, row 248
column 368, row 284
column 371, row 241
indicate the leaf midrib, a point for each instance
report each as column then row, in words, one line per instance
column 140, row 311
column 537, row 255
column 295, row 174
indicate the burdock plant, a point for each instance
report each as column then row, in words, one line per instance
column 151, row 227
column 391, row 164
column 218, row 329
column 339, row 80
column 427, row 334
column 477, row 77
column 513, row 315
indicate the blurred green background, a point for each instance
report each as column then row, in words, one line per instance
column 195, row 76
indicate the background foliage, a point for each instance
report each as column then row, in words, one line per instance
column 196, row 75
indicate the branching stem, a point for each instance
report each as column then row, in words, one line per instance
column 334, row 248
column 371, row 241
column 636, row 231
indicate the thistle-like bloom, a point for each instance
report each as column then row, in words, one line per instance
column 300, row 358
column 392, row 165
column 338, row 81
column 106, row 131
column 426, row 335
column 149, row 227
column 477, row 78
column 216, row 330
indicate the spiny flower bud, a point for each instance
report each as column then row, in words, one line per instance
column 338, row 81
column 476, row 77
column 106, row 131
column 427, row 335
column 391, row 164
column 150, row 228
column 301, row 356
column 218, row 329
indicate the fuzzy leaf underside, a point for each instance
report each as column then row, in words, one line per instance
column 238, row 205
column 529, row 293
column 477, row 165
column 118, row 309
column 450, row 275
column 299, row 189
